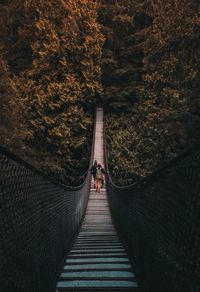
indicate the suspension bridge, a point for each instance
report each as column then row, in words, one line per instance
column 144, row 237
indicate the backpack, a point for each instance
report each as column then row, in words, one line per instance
column 93, row 170
column 98, row 173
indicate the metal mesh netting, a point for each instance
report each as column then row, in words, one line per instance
column 158, row 220
column 38, row 219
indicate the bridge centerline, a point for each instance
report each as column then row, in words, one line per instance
column 98, row 242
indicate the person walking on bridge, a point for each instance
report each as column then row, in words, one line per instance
column 93, row 171
column 99, row 177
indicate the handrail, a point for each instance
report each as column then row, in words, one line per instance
column 39, row 217
column 16, row 158
column 153, row 175
column 158, row 221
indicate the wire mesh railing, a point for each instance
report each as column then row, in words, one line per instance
column 158, row 220
column 38, row 219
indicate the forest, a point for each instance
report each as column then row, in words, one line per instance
column 139, row 59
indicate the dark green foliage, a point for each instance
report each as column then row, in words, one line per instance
column 122, row 54
column 156, row 84
column 55, row 66
column 8, row 108
column 54, row 53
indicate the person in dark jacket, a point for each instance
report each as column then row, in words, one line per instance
column 93, row 171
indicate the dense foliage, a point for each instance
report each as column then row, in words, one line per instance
column 156, row 83
column 139, row 58
column 52, row 51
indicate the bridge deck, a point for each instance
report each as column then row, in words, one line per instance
column 97, row 260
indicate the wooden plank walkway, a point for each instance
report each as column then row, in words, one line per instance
column 97, row 260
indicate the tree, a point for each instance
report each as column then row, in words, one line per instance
column 164, row 118
column 57, row 47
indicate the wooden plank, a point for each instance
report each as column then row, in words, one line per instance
column 97, row 259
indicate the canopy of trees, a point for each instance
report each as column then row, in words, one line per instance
column 51, row 52
column 156, row 69
column 139, row 58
